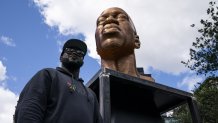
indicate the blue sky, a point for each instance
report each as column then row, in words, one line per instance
column 33, row 32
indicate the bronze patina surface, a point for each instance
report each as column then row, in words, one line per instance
column 116, row 40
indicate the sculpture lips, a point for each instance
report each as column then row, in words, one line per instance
column 111, row 28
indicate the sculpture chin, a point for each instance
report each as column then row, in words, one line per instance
column 110, row 44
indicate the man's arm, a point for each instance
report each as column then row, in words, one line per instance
column 97, row 115
column 32, row 103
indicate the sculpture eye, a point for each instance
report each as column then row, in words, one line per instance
column 101, row 20
column 122, row 17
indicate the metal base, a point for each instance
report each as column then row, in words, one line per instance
column 127, row 99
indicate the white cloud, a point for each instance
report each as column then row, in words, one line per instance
column 3, row 71
column 8, row 99
column 8, row 102
column 7, row 41
column 13, row 78
column 60, row 45
column 190, row 81
column 3, row 58
column 163, row 26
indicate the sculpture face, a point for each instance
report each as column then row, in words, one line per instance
column 116, row 40
column 114, row 32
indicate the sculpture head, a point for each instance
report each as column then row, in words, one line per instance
column 115, row 34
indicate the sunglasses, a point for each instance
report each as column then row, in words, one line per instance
column 71, row 50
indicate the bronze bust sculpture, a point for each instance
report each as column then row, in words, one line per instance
column 116, row 40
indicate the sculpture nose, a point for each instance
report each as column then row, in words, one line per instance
column 111, row 19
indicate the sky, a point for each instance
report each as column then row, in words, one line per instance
column 32, row 33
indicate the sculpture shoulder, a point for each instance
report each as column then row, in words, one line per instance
column 147, row 78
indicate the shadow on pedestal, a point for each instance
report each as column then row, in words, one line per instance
column 127, row 99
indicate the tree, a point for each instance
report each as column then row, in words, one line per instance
column 204, row 55
column 204, row 60
column 207, row 97
column 182, row 114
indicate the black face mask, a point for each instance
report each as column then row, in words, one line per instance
column 71, row 60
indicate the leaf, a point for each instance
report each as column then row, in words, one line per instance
column 192, row 25
column 204, row 52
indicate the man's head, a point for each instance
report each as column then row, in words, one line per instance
column 115, row 33
column 73, row 53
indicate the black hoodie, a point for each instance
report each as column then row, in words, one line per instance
column 53, row 96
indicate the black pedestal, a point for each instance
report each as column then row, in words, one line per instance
column 127, row 99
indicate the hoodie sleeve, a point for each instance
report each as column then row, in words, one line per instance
column 32, row 102
column 97, row 115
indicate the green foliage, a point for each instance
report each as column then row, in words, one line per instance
column 207, row 98
column 182, row 114
column 204, row 55
column 204, row 60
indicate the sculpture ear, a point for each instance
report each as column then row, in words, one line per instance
column 137, row 42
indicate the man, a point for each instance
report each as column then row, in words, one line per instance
column 116, row 40
column 59, row 95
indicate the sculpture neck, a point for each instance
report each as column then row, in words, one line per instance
column 125, row 64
